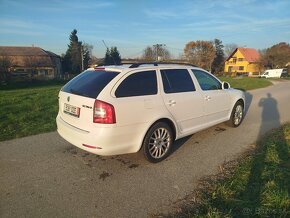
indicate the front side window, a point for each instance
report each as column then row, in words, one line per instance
column 177, row 80
column 138, row 84
column 206, row 81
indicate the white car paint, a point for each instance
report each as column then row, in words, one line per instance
column 189, row 112
column 274, row 73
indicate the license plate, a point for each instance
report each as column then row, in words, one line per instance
column 71, row 110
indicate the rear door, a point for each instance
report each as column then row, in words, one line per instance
column 136, row 98
column 77, row 97
column 216, row 100
column 182, row 100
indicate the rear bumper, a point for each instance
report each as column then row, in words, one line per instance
column 106, row 140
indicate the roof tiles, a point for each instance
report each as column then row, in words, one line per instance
column 250, row 54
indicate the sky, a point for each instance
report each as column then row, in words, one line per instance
column 131, row 25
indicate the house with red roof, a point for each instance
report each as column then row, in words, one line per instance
column 243, row 61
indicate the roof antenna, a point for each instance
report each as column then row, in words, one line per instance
column 110, row 53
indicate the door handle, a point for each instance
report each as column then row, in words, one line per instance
column 207, row 98
column 171, row 102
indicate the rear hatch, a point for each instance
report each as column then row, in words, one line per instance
column 77, row 97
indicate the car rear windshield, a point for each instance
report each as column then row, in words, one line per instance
column 89, row 83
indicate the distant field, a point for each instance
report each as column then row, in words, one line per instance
column 246, row 83
column 28, row 111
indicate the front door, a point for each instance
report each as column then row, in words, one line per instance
column 182, row 100
column 216, row 100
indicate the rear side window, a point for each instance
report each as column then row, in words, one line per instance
column 138, row 84
column 89, row 83
column 206, row 81
column 177, row 80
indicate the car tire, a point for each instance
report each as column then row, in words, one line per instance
column 157, row 142
column 237, row 115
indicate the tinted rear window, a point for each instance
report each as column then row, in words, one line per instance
column 89, row 83
column 138, row 84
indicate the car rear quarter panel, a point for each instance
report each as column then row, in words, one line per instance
column 137, row 114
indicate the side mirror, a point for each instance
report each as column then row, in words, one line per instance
column 226, row 85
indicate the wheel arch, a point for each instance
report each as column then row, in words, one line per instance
column 168, row 121
column 242, row 101
column 233, row 103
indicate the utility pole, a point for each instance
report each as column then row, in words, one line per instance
column 82, row 58
column 157, row 49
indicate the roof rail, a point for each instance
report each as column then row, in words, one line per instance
column 135, row 65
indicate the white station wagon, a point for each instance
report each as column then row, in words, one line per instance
column 114, row 110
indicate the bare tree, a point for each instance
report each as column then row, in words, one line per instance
column 229, row 49
column 34, row 63
column 148, row 54
column 200, row 53
column 5, row 64
column 151, row 53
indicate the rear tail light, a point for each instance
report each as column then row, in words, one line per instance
column 104, row 113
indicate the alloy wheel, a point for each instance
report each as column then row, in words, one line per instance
column 159, row 143
column 238, row 115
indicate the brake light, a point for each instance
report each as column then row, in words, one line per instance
column 99, row 68
column 104, row 113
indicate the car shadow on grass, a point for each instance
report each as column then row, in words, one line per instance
column 266, row 178
column 263, row 188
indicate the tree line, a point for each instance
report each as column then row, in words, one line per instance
column 209, row 55
column 79, row 56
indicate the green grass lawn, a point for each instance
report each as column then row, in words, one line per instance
column 28, row 111
column 258, row 185
column 29, row 108
column 246, row 83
